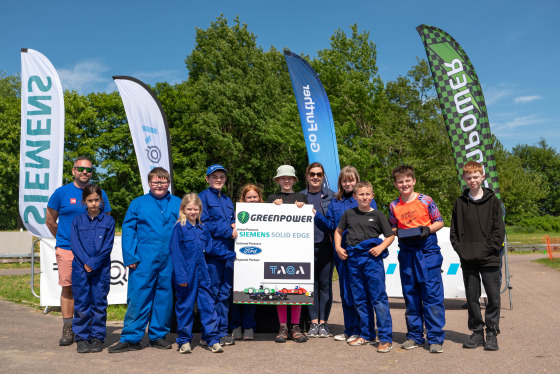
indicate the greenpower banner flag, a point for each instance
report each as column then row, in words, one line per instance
column 462, row 103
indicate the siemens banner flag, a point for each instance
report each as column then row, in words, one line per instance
column 316, row 117
column 148, row 126
column 42, row 139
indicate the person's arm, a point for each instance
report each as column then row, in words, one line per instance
column 105, row 251
column 498, row 232
column 385, row 228
column 130, row 236
column 76, row 243
column 222, row 254
column 453, row 237
column 177, row 258
column 341, row 252
column 52, row 225
column 376, row 251
column 219, row 227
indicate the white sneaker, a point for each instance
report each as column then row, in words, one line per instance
column 352, row 337
column 341, row 337
column 216, row 348
column 185, row 348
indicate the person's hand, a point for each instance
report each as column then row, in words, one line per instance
column 233, row 226
column 133, row 266
column 278, row 201
column 183, row 284
column 341, row 252
column 314, row 211
column 300, row 204
column 376, row 251
column 88, row 268
column 234, row 234
column 425, row 232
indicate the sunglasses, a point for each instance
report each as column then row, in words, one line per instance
column 81, row 169
column 319, row 174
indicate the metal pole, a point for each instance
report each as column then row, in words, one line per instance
column 507, row 285
column 33, row 268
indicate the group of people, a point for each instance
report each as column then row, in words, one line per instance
column 184, row 249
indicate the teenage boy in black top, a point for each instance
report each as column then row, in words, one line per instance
column 477, row 235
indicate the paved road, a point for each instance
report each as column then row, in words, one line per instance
column 529, row 342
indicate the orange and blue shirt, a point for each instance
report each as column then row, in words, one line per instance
column 422, row 211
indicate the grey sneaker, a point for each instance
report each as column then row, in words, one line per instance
column 186, row 348
column 476, row 340
column 436, row 348
column 409, row 344
column 491, row 343
column 324, row 330
column 237, row 334
column 341, row 337
column 227, row 340
column 216, row 348
column 313, row 331
column 248, row 334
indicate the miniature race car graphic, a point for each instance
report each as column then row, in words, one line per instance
column 263, row 293
column 293, row 291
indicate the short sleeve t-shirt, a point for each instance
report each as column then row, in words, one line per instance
column 288, row 198
column 67, row 201
column 421, row 211
column 364, row 225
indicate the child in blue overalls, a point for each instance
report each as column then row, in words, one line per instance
column 91, row 242
column 190, row 241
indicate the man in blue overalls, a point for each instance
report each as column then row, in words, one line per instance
column 146, row 231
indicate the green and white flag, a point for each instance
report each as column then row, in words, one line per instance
column 462, row 103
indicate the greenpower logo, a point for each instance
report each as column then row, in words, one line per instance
column 243, row 217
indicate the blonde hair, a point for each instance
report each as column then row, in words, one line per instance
column 250, row 187
column 347, row 172
column 190, row 198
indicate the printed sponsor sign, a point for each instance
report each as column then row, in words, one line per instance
column 274, row 254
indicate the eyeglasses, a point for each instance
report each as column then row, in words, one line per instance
column 319, row 174
column 159, row 183
column 81, row 169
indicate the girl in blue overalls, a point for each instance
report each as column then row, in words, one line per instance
column 91, row 242
column 190, row 240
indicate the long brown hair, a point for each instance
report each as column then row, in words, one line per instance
column 311, row 166
column 347, row 172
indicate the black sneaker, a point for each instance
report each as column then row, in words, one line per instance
column 160, row 344
column 476, row 340
column 227, row 340
column 96, row 345
column 83, row 347
column 491, row 343
column 121, row 347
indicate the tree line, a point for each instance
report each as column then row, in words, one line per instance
column 236, row 107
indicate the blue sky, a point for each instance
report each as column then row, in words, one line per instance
column 513, row 44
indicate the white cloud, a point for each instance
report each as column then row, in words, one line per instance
column 169, row 76
column 86, row 76
column 526, row 99
column 494, row 94
column 504, row 128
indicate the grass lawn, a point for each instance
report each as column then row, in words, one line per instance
column 16, row 288
column 18, row 265
column 523, row 238
column 555, row 263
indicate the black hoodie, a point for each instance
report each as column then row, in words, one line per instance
column 477, row 229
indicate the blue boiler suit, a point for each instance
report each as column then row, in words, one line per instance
column 334, row 214
column 187, row 248
column 368, row 289
column 420, row 270
column 146, row 231
column 218, row 214
column 91, row 241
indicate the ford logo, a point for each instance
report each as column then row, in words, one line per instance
column 250, row 250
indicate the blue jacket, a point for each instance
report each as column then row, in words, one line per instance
column 335, row 212
column 218, row 214
column 147, row 228
column 91, row 240
column 187, row 247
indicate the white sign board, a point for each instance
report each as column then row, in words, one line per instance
column 275, row 259
column 50, row 290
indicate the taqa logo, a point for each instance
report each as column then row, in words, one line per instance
column 73, row 200
column 118, row 273
column 250, row 250
column 287, row 270
column 243, row 217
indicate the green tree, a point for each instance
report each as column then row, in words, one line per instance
column 10, row 124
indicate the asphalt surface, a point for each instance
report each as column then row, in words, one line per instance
column 529, row 342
